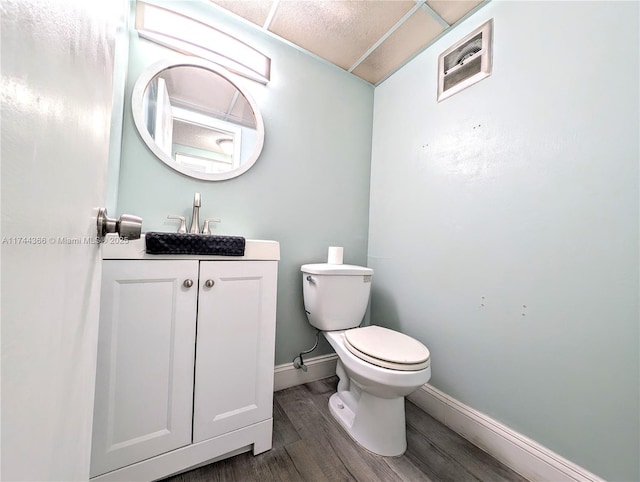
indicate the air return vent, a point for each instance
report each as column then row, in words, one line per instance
column 466, row 62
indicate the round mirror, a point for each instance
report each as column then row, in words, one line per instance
column 196, row 120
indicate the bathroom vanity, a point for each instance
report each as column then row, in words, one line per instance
column 185, row 359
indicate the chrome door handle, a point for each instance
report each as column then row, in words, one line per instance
column 187, row 283
column 127, row 227
column 209, row 283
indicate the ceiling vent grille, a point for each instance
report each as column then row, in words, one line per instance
column 466, row 62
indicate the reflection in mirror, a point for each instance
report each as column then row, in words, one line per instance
column 196, row 120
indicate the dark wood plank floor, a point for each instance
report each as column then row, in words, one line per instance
column 309, row 445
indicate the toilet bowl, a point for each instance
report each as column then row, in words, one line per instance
column 377, row 367
column 369, row 403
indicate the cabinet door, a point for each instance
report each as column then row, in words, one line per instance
column 144, row 382
column 235, row 346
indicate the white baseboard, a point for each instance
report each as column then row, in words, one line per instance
column 317, row 368
column 525, row 456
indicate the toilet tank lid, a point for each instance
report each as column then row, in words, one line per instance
column 336, row 269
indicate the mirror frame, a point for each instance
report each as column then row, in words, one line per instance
column 145, row 79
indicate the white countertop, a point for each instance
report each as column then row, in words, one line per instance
column 255, row 249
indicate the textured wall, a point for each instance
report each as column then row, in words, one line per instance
column 504, row 226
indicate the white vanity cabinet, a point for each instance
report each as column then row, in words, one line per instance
column 185, row 364
column 235, row 348
column 146, row 345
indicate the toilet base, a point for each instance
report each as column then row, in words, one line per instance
column 377, row 424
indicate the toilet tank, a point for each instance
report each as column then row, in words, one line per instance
column 335, row 295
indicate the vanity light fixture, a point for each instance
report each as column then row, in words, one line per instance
column 192, row 37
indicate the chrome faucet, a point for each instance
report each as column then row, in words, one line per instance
column 195, row 219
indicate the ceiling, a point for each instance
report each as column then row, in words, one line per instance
column 185, row 87
column 369, row 38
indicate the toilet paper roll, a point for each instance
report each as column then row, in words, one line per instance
column 335, row 255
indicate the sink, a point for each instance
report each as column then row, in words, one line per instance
column 254, row 249
column 196, row 244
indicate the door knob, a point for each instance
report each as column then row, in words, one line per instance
column 127, row 227
column 187, row 283
column 209, row 283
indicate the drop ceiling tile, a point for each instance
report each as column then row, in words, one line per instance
column 193, row 85
column 452, row 11
column 255, row 11
column 339, row 31
column 410, row 38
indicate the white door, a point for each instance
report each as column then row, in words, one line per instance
column 235, row 346
column 144, row 382
column 57, row 77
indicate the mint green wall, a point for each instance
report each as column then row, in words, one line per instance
column 503, row 226
column 308, row 190
column 120, row 68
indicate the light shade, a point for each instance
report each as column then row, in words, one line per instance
column 189, row 36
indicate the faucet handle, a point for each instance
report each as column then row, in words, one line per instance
column 183, row 222
column 206, row 229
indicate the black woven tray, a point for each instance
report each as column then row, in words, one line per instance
column 179, row 243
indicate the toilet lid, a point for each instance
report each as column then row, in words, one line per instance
column 387, row 348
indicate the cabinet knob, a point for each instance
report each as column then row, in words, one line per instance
column 209, row 283
column 187, row 283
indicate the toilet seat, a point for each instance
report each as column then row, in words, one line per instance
column 387, row 348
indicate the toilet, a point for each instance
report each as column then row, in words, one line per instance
column 377, row 367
